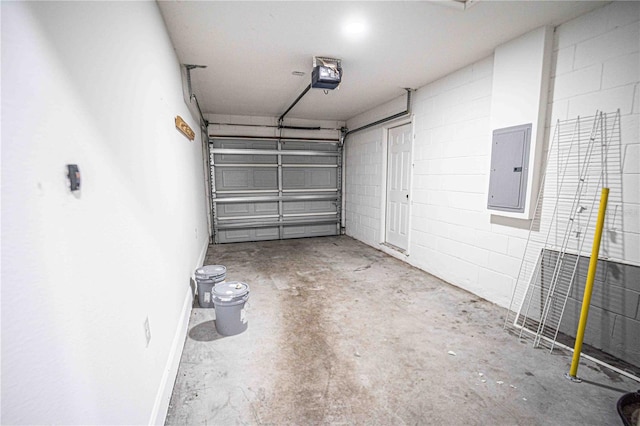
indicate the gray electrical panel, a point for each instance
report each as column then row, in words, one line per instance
column 509, row 168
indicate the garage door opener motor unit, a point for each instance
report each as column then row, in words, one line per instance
column 326, row 74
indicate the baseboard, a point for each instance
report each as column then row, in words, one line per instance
column 203, row 254
column 163, row 397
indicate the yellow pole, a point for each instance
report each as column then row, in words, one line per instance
column 588, row 288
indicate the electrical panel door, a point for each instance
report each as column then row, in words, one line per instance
column 509, row 168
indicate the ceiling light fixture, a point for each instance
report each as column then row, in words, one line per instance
column 354, row 29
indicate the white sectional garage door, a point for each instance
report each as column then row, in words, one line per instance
column 270, row 188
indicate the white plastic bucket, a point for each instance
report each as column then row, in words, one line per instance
column 206, row 278
column 229, row 299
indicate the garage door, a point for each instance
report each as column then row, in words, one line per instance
column 271, row 188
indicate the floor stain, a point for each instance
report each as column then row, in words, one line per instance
column 340, row 333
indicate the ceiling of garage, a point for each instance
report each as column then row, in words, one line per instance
column 251, row 48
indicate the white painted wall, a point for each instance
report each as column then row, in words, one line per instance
column 597, row 67
column 521, row 70
column 96, row 84
column 453, row 236
column 364, row 172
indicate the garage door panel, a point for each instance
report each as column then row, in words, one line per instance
column 236, row 234
column 266, row 233
column 319, row 178
column 246, row 178
column 248, row 159
column 294, row 178
column 242, row 159
column 230, row 178
column 309, row 146
column 309, row 231
column 244, row 144
column 292, row 207
column 309, row 159
column 265, row 179
column 256, row 197
column 247, row 209
column 250, row 234
column 266, row 208
column 234, row 209
column 303, row 159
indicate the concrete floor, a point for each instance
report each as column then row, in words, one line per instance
column 340, row 333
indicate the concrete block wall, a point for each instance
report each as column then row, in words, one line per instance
column 363, row 190
column 616, row 300
column 596, row 66
column 614, row 313
column 453, row 236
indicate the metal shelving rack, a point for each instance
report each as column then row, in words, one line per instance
column 561, row 230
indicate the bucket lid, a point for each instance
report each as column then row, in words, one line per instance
column 211, row 271
column 230, row 289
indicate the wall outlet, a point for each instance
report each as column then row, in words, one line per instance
column 147, row 331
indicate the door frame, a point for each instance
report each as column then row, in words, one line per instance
column 388, row 248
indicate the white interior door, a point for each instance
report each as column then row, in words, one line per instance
column 398, row 177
